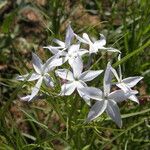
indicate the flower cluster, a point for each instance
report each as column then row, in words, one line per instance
column 76, row 77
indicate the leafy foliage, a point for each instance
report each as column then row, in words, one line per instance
column 26, row 26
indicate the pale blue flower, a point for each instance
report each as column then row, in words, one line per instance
column 62, row 45
column 127, row 83
column 76, row 79
column 106, row 100
column 40, row 74
column 95, row 46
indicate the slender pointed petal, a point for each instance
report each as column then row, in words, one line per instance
column 67, row 88
column 120, row 95
column 123, row 86
column 36, row 89
column 48, row 64
column 48, row 81
column 80, row 39
column 62, row 44
column 132, row 81
column 28, row 77
column 90, row 75
column 100, row 43
column 56, row 62
column 97, row 109
column 81, row 52
column 107, row 79
column 25, row 98
column 109, row 49
column 85, row 97
column 77, row 66
column 69, row 36
column 87, row 100
column 52, row 49
column 65, row 74
column 86, row 37
column 127, row 89
column 114, row 113
column 37, row 63
column 92, row 92
column 115, row 74
column 134, row 98
column 80, row 84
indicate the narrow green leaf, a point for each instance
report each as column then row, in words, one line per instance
column 124, row 59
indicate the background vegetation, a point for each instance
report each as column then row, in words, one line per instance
column 56, row 122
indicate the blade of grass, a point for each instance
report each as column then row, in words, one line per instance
column 34, row 120
column 120, row 134
column 139, row 50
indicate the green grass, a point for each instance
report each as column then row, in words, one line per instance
column 55, row 122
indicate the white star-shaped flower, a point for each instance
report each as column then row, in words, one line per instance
column 94, row 46
column 65, row 51
column 62, row 45
column 106, row 100
column 127, row 83
column 40, row 74
column 73, row 52
column 76, row 79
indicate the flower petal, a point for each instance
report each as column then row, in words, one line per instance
column 56, row 62
column 81, row 52
column 90, row 75
column 134, row 98
column 107, row 79
column 86, row 37
column 48, row 64
column 36, row 89
column 80, row 85
column 114, row 113
column 120, row 95
column 92, row 92
column 80, row 39
column 73, row 49
column 132, row 81
column 85, row 97
column 48, row 81
column 100, row 43
column 37, row 63
column 77, row 66
column 123, row 86
column 69, row 36
column 64, row 74
column 62, row 44
column 29, row 77
column 25, row 98
column 110, row 49
column 67, row 88
column 52, row 49
column 115, row 74
column 96, row 110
